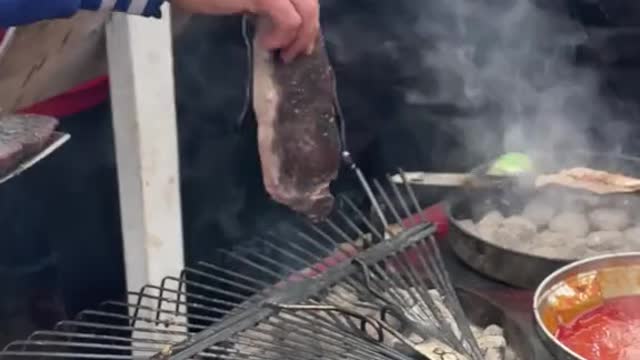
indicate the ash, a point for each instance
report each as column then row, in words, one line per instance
column 565, row 225
column 491, row 338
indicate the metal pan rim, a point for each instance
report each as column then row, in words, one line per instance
column 557, row 276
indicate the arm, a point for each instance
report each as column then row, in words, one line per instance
column 295, row 22
column 23, row 12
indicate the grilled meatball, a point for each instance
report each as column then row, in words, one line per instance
column 545, row 251
column 514, row 232
column 549, row 238
column 539, row 212
column 572, row 250
column 570, row 223
column 609, row 219
column 493, row 219
column 606, row 241
column 489, row 224
column 468, row 225
column 632, row 238
column 573, row 203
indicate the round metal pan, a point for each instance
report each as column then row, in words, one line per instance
column 613, row 276
column 512, row 267
column 482, row 312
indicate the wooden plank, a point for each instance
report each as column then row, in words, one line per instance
column 143, row 101
column 70, row 52
column 144, row 115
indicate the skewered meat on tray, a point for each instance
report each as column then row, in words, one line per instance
column 298, row 137
column 22, row 136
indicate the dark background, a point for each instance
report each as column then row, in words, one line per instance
column 61, row 248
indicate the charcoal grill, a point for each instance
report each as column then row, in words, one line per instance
column 292, row 309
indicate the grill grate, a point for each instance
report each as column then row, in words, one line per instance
column 342, row 290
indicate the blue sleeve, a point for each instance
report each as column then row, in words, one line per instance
column 22, row 12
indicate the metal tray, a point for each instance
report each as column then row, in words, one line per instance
column 505, row 265
column 617, row 276
column 57, row 140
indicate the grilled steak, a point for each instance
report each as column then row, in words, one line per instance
column 298, row 137
column 22, row 136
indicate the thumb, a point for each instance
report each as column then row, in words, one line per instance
column 278, row 25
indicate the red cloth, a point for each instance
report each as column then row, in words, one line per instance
column 435, row 214
column 79, row 99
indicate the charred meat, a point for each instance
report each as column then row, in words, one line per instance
column 298, row 138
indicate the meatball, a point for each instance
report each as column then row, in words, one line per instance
column 609, row 219
column 545, row 251
column 561, row 251
column 591, row 199
column 468, row 225
column 486, row 232
column 606, row 241
column 519, row 221
column 514, row 232
column 538, row 212
column 549, row 238
column 578, row 249
column 570, row 223
column 591, row 253
column 632, row 237
column 487, row 227
column 573, row 203
column 629, row 203
column 491, row 219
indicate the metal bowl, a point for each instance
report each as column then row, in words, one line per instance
column 516, row 268
column 599, row 279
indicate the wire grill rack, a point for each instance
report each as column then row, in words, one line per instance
column 279, row 301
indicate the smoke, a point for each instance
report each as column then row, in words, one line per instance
column 509, row 66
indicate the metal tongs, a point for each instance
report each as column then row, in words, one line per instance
column 508, row 168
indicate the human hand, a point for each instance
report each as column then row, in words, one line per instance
column 293, row 25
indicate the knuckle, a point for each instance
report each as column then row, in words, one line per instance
column 295, row 22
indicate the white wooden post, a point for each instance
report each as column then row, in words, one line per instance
column 144, row 116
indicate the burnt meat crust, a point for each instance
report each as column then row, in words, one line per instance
column 298, row 136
